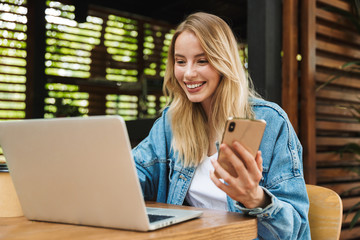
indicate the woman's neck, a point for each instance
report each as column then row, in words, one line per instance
column 206, row 105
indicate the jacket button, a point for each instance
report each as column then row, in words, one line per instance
column 182, row 177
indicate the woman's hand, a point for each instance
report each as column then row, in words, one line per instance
column 244, row 187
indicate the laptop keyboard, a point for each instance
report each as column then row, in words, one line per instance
column 155, row 217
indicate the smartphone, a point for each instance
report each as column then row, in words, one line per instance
column 248, row 132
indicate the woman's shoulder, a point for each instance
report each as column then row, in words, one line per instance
column 264, row 109
column 162, row 123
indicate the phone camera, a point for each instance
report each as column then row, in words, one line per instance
column 231, row 126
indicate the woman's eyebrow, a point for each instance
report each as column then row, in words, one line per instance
column 178, row 55
column 197, row 55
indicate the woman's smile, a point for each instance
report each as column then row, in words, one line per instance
column 194, row 86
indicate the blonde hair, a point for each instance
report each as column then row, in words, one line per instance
column 231, row 98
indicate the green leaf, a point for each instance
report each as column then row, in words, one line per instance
column 354, row 65
column 345, row 65
column 355, row 219
column 327, row 82
column 352, row 208
column 350, row 148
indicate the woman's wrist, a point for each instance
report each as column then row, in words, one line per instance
column 260, row 201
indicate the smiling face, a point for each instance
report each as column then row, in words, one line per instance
column 197, row 77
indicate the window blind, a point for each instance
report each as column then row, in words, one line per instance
column 12, row 61
column 111, row 64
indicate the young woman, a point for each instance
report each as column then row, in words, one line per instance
column 206, row 83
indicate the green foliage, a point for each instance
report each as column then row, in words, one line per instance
column 66, row 110
column 350, row 148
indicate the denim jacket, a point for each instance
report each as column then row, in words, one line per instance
column 164, row 178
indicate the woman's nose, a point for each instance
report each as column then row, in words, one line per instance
column 190, row 72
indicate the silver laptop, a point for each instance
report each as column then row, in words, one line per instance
column 80, row 170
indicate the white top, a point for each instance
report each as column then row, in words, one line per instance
column 203, row 192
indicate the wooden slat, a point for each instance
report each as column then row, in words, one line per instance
column 11, row 100
column 335, row 141
column 333, row 157
column 333, row 110
column 10, row 56
column 349, row 202
column 336, row 118
column 336, row 3
column 338, row 126
column 337, row 174
column 350, row 234
column 125, row 65
column 11, row 91
column 342, row 96
column 18, row 67
column 346, row 81
column 333, row 18
column 12, row 110
column 333, row 33
column 332, row 63
column 342, row 111
column 10, row 48
column 337, row 49
column 12, row 118
column 343, row 188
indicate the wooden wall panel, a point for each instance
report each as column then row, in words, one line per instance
column 290, row 66
column 326, row 46
column 307, row 89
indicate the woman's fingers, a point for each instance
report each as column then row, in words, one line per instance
column 259, row 161
column 245, row 186
column 222, row 173
column 229, row 156
column 241, row 161
column 245, row 156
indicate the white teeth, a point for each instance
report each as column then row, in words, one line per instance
column 191, row 86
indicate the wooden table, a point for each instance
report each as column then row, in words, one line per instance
column 212, row 224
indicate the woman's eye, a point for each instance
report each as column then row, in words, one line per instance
column 203, row 61
column 179, row 61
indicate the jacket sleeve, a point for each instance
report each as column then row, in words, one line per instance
column 150, row 156
column 286, row 217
